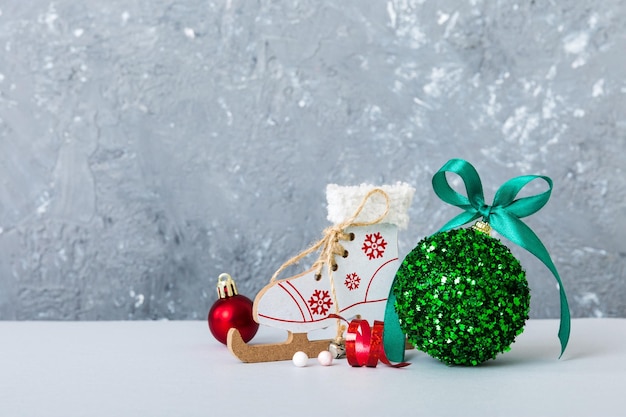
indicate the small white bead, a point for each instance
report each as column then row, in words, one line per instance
column 325, row 358
column 299, row 359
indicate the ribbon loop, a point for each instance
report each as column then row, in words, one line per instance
column 503, row 216
column 525, row 206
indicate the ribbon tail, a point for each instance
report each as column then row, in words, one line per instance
column 565, row 326
column 516, row 231
column 393, row 337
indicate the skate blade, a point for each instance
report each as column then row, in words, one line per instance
column 272, row 352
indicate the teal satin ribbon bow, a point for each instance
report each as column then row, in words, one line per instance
column 503, row 216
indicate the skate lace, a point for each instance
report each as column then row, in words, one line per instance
column 329, row 247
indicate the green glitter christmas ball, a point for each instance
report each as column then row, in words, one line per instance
column 461, row 297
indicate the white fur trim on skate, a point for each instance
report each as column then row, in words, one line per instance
column 344, row 200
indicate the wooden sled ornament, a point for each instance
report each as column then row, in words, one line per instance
column 271, row 352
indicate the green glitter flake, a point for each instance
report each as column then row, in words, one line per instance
column 461, row 297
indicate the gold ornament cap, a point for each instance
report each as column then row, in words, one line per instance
column 482, row 227
column 226, row 286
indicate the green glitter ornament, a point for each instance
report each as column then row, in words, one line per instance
column 461, row 296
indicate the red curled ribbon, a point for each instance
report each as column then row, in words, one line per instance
column 364, row 344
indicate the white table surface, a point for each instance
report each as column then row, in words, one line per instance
column 165, row 368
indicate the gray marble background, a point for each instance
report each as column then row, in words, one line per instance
column 146, row 146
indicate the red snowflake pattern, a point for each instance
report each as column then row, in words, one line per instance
column 320, row 302
column 352, row 281
column 374, row 245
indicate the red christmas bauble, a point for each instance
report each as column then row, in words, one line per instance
column 231, row 310
column 235, row 311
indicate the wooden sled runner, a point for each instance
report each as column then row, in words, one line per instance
column 274, row 351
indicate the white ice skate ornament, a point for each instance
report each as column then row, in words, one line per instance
column 358, row 259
